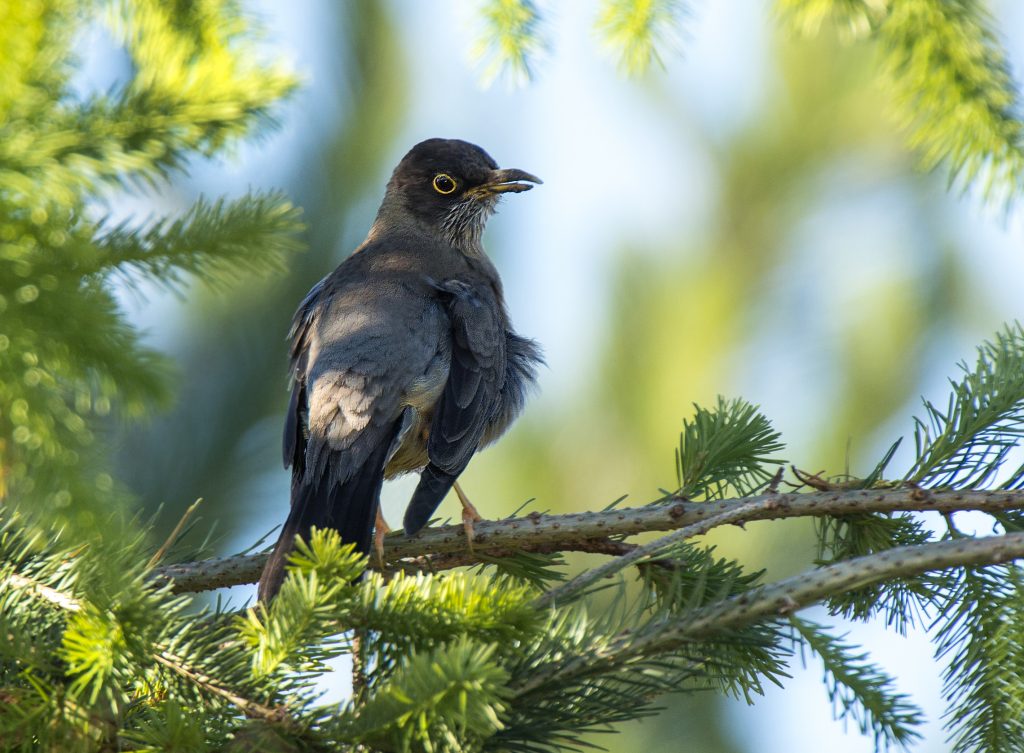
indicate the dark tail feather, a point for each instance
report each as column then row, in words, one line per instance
column 349, row 507
column 434, row 485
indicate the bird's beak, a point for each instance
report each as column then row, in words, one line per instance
column 506, row 181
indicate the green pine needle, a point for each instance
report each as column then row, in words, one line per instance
column 305, row 611
column 215, row 242
column 635, row 31
column 950, row 80
column 861, row 691
column 510, row 40
column 965, row 444
column 535, row 569
column 68, row 355
column 688, row 577
column 446, row 700
column 900, row 601
column 980, row 631
column 855, row 18
column 725, row 450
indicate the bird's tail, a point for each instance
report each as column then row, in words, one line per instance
column 434, row 484
column 349, row 507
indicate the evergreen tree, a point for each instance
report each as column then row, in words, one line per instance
column 104, row 647
column 68, row 356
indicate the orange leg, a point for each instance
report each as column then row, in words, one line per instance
column 469, row 514
column 380, row 530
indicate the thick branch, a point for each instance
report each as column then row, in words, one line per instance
column 445, row 546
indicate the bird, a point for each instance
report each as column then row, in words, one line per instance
column 404, row 358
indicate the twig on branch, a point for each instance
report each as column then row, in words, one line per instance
column 589, row 577
column 163, row 656
column 445, row 546
column 251, row 709
column 165, row 547
column 814, row 585
column 792, row 594
column 437, row 562
column 65, row 601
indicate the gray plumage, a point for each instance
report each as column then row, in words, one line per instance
column 403, row 358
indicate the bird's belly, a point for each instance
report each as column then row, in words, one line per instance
column 421, row 397
column 411, row 454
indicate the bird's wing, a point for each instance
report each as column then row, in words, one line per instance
column 469, row 399
column 475, row 377
column 294, row 444
column 522, row 358
column 370, row 347
column 359, row 347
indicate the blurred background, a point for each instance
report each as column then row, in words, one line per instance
column 746, row 221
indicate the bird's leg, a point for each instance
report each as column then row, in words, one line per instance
column 380, row 530
column 469, row 514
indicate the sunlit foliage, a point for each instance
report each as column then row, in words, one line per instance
column 68, row 355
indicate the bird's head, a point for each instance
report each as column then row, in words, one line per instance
column 452, row 187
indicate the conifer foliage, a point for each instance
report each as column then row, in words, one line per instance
column 68, row 355
column 102, row 653
column 100, row 649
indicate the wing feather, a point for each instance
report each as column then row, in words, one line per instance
column 294, row 444
column 474, row 380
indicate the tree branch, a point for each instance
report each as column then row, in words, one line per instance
column 162, row 655
column 787, row 596
column 814, row 585
column 445, row 546
column 589, row 577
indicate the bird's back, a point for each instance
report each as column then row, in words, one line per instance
column 379, row 332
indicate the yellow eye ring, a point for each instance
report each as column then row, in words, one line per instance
column 444, row 183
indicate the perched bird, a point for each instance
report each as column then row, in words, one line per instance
column 404, row 357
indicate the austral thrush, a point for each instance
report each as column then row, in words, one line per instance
column 404, row 357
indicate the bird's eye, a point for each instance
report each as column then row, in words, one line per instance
column 444, row 183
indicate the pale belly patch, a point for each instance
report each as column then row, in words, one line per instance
column 421, row 397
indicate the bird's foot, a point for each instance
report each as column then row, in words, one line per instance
column 469, row 515
column 380, row 530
